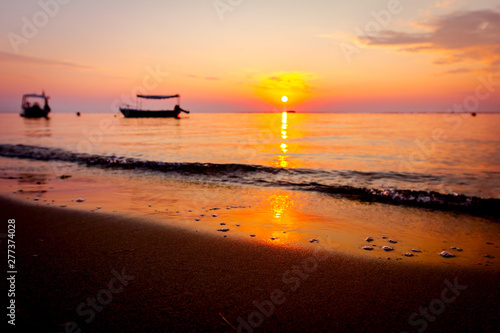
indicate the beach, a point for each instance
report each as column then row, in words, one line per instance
column 313, row 226
column 179, row 280
column 250, row 166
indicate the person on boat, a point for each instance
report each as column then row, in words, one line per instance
column 179, row 109
column 46, row 107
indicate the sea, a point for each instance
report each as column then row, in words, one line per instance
column 404, row 164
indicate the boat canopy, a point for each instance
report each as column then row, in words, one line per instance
column 35, row 95
column 157, row 96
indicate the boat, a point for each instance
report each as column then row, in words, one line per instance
column 138, row 112
column 32, row 109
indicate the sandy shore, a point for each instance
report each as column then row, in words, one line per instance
column 98, row 272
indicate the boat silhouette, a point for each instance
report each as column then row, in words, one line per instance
column 138, row 112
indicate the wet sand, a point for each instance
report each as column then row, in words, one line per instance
column 100, row 272
column 275, row 216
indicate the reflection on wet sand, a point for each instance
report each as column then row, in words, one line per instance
column 32, row 178
column 278, row 217
column 279, row 204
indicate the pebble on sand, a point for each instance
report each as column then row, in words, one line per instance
column 214, row 215
column 392, row 241
column 446, row 254
column 82, row 200
column 252, row 235
column 387, row 248
column 367, row 248
column 489, row 256
column 369, row 239
column 196, row 219
column 237, row 225
column 456, row 248
column 223, row 229
column 408, row 254
column 314, row 240
column 222, row 223
column 415, row 250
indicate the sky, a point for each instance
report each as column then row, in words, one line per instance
column 244, row 55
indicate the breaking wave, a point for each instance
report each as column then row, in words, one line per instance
column 331, row 182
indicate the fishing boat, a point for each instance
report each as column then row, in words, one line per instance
column 31, row 107
column 138, row 112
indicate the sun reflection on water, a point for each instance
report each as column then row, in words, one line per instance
column 279, row 203
column 283, row 161
column 286, row 220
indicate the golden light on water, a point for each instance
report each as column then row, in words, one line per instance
column 283, row 159
column 279, row 204
column 283, row 162
column 284, row 125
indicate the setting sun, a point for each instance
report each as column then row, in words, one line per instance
column 284, row 99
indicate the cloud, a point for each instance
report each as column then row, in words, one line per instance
column 473, row 35
column 287, row 81
column 389, row 37
column 296, row 85
column 11, row 57
column 458, row 71
column 445, row 3
column 210, row 78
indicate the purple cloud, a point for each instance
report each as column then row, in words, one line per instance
column 473, row 35
column 11, row 57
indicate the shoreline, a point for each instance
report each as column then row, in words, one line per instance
column 184, row 280
column 467, row 203
column 273, row 216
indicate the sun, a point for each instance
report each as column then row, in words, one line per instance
column 284, row 99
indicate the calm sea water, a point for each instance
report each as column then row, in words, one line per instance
column 379, row 154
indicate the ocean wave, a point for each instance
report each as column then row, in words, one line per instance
column 303, row 179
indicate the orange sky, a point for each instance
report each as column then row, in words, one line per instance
column 365, row 55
